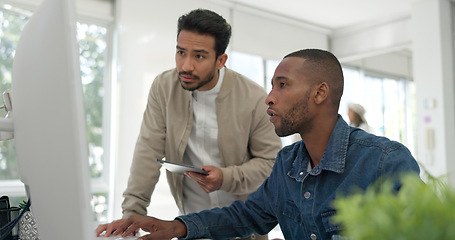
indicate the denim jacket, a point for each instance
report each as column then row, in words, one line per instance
column 301, row 201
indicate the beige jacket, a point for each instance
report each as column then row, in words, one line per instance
column 246, row 138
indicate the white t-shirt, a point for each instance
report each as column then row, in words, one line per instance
column 203, row 149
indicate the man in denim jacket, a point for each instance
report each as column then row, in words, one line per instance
column 332, row 158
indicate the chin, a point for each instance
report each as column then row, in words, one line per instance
column 279, row 134
column 188, row 87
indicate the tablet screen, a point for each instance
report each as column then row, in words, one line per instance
column 180, row 168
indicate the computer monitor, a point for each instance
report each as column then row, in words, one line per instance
column 49, row 123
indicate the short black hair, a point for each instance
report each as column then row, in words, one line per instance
column 326, row 68
column 203, row 21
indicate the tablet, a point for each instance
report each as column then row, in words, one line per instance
column 180, row 168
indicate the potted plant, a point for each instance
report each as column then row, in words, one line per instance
column 27, row 225
column 417, row 211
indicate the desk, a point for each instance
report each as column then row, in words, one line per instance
column 115, row 238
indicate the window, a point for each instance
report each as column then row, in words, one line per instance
column 389, row 100
column 95, row 85
column 11, row 24
column 93, row 44
column 249, row 65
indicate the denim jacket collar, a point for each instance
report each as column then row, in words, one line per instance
column 333, row 159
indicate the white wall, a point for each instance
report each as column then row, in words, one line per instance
column 99, row 9
column 428, row 34
column 434, row 76
column 146, row 47
column 372, row 38
column 271, row 37
column 397, row 63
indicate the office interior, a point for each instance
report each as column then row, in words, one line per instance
column 138, row 43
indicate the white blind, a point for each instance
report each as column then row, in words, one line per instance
column 272, row 39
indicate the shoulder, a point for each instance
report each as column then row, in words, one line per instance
column 166, row 88
column 362, row 138
column 166, row 82
column 389, row 154
column 168, row 77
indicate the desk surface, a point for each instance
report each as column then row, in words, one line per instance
column 116, row 238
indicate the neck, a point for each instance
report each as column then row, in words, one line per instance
column 317, row 140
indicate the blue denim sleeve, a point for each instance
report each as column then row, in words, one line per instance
column 193, row 224
column 240, row 219
column 398, row 161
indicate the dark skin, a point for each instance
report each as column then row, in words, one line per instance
column 291, row 79
column 298, row 103
column 316, row 141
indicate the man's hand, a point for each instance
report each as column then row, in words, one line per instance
column 208, row 183
column 158, row 229
column 109, row 227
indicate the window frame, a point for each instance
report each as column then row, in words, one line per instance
column 103, row 184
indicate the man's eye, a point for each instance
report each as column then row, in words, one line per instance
column 180, row 52
column 199, row 57
column 282, row 84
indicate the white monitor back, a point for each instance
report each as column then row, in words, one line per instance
column 49, row 123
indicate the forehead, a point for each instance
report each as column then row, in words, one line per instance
column 194, row 41
column 290, row 68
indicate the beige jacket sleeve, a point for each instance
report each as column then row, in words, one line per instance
column 247, row 139
column 145, row 170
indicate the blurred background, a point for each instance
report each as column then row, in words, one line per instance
column 397, row 57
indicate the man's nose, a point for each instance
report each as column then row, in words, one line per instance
column 188, row 65
column 270, row 100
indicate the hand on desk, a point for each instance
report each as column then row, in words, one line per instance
column 112, row 237
column 208, row 183
column 109, row 227
column 158, row 229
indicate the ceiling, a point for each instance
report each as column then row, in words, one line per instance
column 333, row 14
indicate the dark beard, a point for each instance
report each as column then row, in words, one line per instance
column 296, row 119
column 208, row 79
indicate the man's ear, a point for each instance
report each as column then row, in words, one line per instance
column 322, row 93
column 221, row 60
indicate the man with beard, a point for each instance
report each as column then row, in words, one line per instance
column 202, row 114
column 331, row 160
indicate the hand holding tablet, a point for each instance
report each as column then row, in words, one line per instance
column 180, row 168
